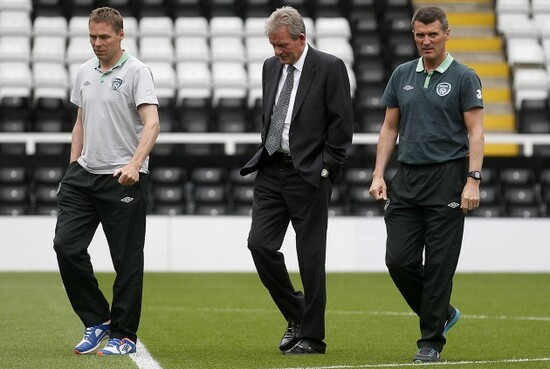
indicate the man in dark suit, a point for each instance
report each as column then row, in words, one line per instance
column 307, row 122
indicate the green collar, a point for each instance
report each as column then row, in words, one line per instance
column 441, row 68
column 120, row 61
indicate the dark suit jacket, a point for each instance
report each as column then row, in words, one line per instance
column 322, row 120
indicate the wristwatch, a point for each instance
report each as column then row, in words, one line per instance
column 475, row 174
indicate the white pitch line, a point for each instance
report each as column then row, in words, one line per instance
column 441, row 363
column 358, row 312
column 143, row 358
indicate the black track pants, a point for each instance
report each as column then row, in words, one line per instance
column 425, row 225
column 86, row 200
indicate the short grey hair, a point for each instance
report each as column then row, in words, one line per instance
column 287, row 17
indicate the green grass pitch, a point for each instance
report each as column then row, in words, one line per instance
column 228, row 320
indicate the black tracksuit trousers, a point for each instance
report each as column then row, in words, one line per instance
column 425, row 225
column 85, row 200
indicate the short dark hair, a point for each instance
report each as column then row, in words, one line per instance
column 107, row 15
column 430, row 14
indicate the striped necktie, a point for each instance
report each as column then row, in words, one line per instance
column 274, row 136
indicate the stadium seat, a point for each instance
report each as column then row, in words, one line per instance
column 258, row 49
column 337, row 27
column 488, row 211
column 78, row 27
column 162, row 26
column 254, row 71
column 15, row 84
column 194, row 81
column 15, row 119
column 520, row 192
column 254, row 27
column 231, row 119
column 371, row 70
column 131, row 27
column 51, row 84
column 15, row 49
column 130, row 44
column 168, row 193
column 531, row 211
column 52, row 120
column 49, row 49
column 227, row 49
column 194, row 117
column 48, row 174
column 191, row 27
column 517, row 176
column 311, row 33
column 13, row 175
column 79, row 50
column 229, row 80
column 156, row 49
column 534, row 116
column 525, row 52
column 337, row 46
column 16, row 5
column 164, row 76
column 230, row 26
column 211, row 209
column 527, row 28
column 55, row 26
column 209, row 175
column 530, row 83
column 513, row 6
column 192, row 49
column 540, row 7
column 14, row 193
column 170, row 175
column 15, row 23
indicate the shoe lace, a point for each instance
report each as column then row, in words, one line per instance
column 114, row 342
column 428, row 351
column 88, row 333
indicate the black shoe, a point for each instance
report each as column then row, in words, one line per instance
column 303, row 348
column 426, row 355
column 290, row 338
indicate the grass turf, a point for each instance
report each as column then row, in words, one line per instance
column 228, row 320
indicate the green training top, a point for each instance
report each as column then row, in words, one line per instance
column 432, row 105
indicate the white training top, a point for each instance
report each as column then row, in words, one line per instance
column 112, row 126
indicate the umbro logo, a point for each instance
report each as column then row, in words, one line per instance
column 408, row 87
column 127, row 199
column 453, row 205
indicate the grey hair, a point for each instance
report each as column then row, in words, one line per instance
column 430, row 14
column 287, row 17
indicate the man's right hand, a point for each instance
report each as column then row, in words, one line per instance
column 378, row 189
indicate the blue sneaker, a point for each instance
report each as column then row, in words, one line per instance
column 92, row 338
column 117, row 346
column 451, row 321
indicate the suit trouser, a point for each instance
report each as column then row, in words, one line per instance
column 425, row 225
column 281, row 196
column 85, row 200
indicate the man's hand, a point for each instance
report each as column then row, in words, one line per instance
column 470, row 196
column 128, row 175
column 378, row 189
